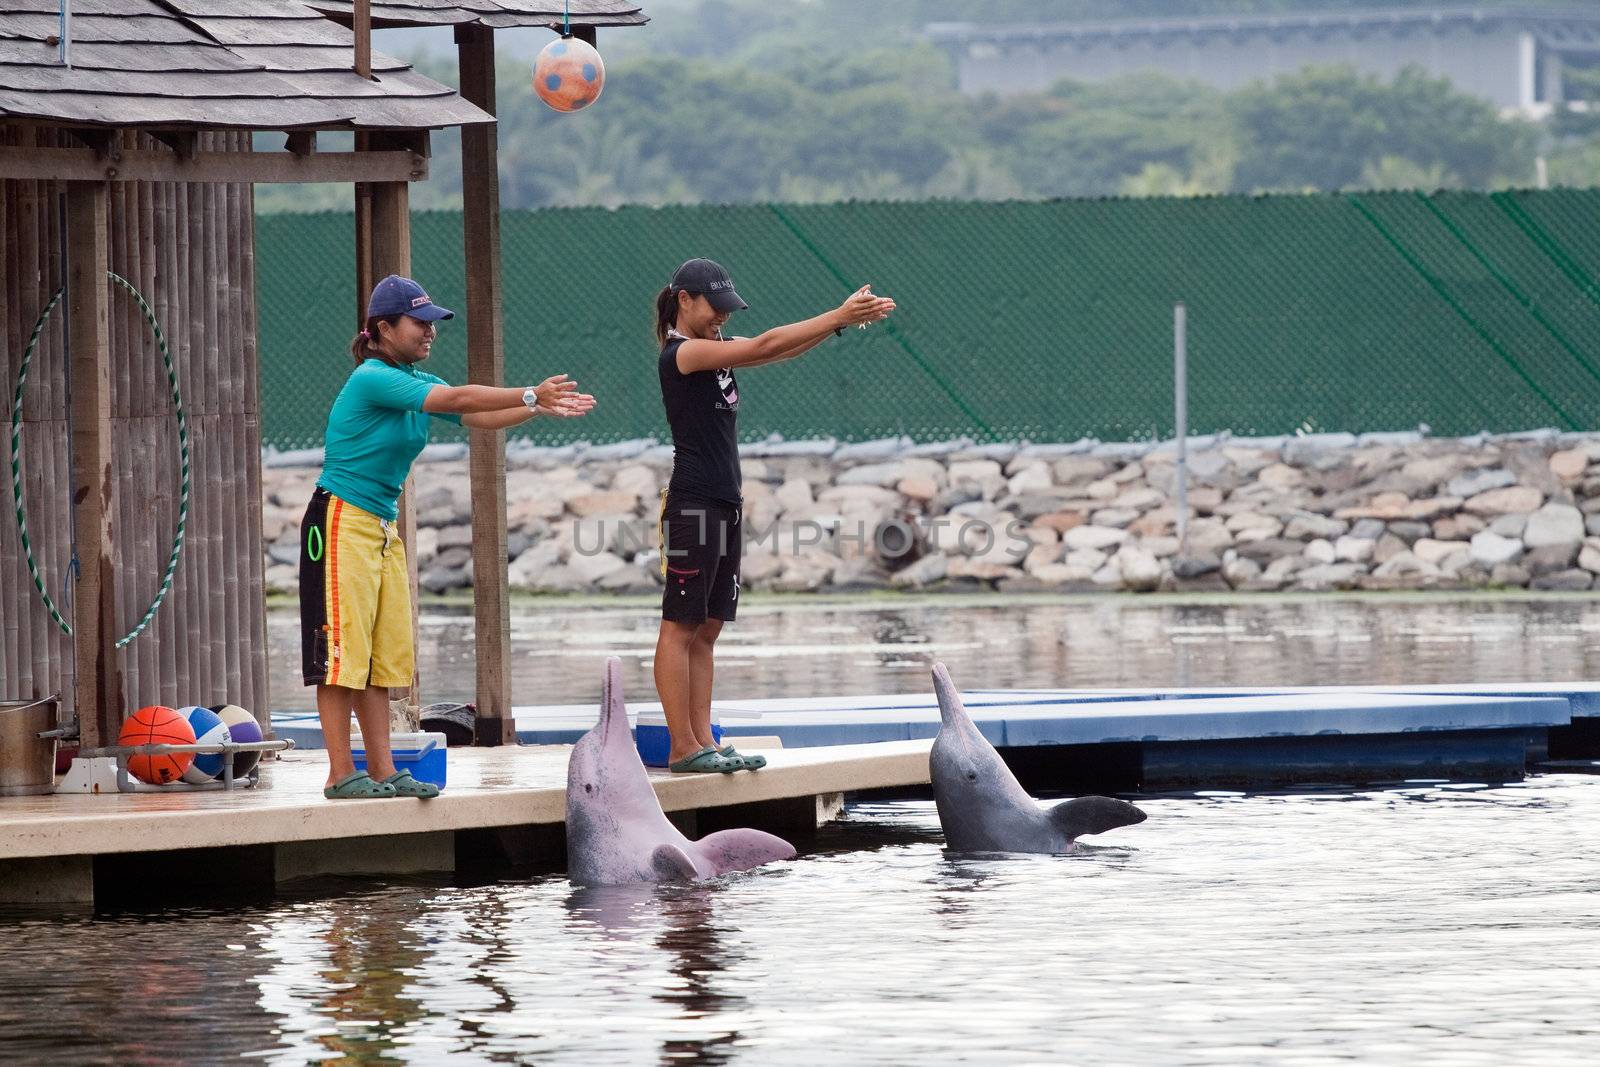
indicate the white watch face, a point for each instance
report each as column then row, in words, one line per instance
column 530, row 397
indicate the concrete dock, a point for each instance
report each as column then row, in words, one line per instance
column 501, row 814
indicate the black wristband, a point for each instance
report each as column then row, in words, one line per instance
column 838, row 331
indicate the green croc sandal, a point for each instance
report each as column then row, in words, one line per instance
column 406, row 786
column 751, row 763
column 707, row 761
column 358, row 786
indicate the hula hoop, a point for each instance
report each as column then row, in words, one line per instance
column 183, row 456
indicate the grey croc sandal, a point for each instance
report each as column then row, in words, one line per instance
column 707, row 761
column 358, row 786
column 751, row 763
column 406, row 786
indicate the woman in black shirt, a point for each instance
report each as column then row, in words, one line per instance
column 700, row 530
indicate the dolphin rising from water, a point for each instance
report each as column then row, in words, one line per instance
column 982, row 806
column 616, row 830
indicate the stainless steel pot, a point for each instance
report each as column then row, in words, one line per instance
column 27, row 760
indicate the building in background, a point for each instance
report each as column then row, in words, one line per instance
column 1513, row 57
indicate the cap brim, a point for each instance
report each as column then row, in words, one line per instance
column 431, row 313
column 726, row 300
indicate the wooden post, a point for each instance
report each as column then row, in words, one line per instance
column 99, row 678
column 361, row 24
column 389, row 252
column 480, row 186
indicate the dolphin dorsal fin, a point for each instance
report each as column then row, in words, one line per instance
column 1092, row 815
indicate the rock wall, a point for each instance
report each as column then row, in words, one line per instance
column 1333, row 511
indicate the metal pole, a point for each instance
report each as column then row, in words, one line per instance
column 65, row 33
column 1180, row 403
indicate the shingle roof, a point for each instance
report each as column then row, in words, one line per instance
column 251, row 64
column 495, row 13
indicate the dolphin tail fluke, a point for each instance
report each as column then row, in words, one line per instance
column 670, row 863
column 740, row 850
column 1093, row 815
column 952, row 711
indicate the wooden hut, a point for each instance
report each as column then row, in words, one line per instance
column 475, row 22
column 127, row 139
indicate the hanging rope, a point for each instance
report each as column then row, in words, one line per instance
column 183, row 457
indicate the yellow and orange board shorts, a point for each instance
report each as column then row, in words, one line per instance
column 355, row 598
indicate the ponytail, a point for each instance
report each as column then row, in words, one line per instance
column 666, row 313
column 364, row 345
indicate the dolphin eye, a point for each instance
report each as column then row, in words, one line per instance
column 588, row 787
column 972, row 776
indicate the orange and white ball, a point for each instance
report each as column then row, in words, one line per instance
column 568, row 74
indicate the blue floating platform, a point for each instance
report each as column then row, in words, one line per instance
column 1020, row 718
column 1165, row 738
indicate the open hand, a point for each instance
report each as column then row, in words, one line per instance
column 558, row 395
column 864, row 307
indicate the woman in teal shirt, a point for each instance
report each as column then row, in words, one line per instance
column 355, row 595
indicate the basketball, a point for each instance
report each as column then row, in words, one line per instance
column 157, row 725
column 568, row 74
column 209, row 729
column 244, row 730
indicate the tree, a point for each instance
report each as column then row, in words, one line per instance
column 1325, row 126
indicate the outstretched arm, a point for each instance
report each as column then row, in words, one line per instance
column 782, row 342
column 798, row 350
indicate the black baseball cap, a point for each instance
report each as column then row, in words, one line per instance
column 710, row 280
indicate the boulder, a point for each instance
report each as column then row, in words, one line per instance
column 1094, row 537
column 1435, row 552
column 1117, row 517
column 1409, row 531
column 1140, row 570
column 1460, row 527
column 1589, row 555
column 1320, row 551
column 1031, row 479
column 1490, row 549
column 1567, row 581
column 1349, row 549
column 1062, row 521
column 1305, row 525
column 1330, row 576
column 610, row 502
column 1548, row 559
column 1194, row 566
column 1512, row 499
column 1078, row 470
column 1476, row 482
column 1387, row 547
column 1510, row 575
column 1554, row 524
column 1240, row 571
column 924, row 572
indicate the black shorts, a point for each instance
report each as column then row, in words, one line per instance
column 701, row 548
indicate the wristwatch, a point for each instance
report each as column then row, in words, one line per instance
column 530, row 397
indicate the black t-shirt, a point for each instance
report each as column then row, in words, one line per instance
column 702, row 409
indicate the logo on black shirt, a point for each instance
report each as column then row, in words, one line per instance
column 730, row 390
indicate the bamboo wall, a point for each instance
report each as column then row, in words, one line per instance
column 189, row 247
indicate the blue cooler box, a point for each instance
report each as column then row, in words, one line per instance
column 421, row 754
column 653, row 740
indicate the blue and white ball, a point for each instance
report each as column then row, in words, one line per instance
column 209, row 729
column 245, row 730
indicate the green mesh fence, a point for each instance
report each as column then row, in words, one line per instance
column 1046, row 321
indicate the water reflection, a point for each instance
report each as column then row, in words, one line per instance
column 678, row 920
column 799, row 646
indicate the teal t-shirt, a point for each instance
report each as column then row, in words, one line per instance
column 376, row 429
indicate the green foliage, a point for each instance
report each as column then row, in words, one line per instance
column 727, row 101
column 1323, row 128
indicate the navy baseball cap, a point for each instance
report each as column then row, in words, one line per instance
column 402, row 296
column 711, row 281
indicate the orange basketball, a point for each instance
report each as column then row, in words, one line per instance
column 157, row 725
column 568, row 74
